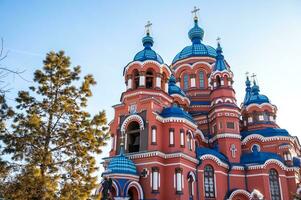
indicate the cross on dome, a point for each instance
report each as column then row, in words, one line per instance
column 218, row 39
column 194, row 12
column 147, row 27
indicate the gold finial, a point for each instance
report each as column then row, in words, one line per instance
column 194, row 12
column 147, row 27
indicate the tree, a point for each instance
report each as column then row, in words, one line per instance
column 53, row 137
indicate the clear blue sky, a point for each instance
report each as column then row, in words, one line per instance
column 258, row 36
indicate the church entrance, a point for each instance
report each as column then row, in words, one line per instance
column 133, row 193
column 133, row 137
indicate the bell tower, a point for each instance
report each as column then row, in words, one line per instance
column 224, row 113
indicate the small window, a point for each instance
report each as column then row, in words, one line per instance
column 155, row 179
column 189, row 141
column 178, row 180
column 136, row 79
column 149, row 79
column 182, row 138
column 154, row 135
column 202, row 80
column 186, row 80
column 230, row 125
column 218, row 81
column 265, row 116
column 171, row 137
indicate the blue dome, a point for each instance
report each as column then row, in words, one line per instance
column 220, row 64
column 175, row 111
column 203, row 151
column 121, row 165
column 173, row 88
column 147, row 53
column 197, row 48
column 255, row 97
column 266, row 132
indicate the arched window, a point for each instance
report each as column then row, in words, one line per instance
column 218, row 81
column 133, row 137
column 274, row 185
column 163, row 81
column 189, row 141
column 136, row 79
column 265, row 116
column 186, row 81
column 209, row 182
column 190, row 186
column 149, row 79
column 202, row 79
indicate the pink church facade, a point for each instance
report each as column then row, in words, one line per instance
column 178, row 132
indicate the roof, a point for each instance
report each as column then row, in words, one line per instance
column 203, row 151
column 266, row 132
column 121, row 165
column 173, row 88
column 257, row 157
column 220, row 64
column 175, row 111
column 197, row 48
column 296, row 162
column 148, row 53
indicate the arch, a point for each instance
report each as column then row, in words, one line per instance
column 240, row 194
column 115, row 187
column 149, row 78
column 130, row 118
column 138, row 188
column 228, row 100
column 209, row 181
column 274, row 184
column 191, row 179
column 164, row 81
column 190, row 139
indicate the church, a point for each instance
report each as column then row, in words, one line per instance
column 178, row 132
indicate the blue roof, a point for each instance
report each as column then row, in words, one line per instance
column 258, row 157
column 197, row 48
column 147, row 53
column 175, row 111
column 121, row 165
column 220, row 64
column 202, row 151
column 266, row 132
column 255, row 97
column 296, row 162
column 173, row 88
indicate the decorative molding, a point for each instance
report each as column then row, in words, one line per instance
column 142, row 64
column 215, row 159
column 225, row 135
column 175, row 119
column 165, row 96
column 270, row 161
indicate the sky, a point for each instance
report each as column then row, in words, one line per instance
column 261, row 37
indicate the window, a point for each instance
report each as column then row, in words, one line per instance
column 133, row 137
column 154, row 135
column 230, row 125
column 209, row 182
column 136, row 79
column 218, row 81
column 202, row 80
column 178, row 179
column 287, row 156
column 155, row 179
column 274, row 185
column 186, row 80
column 182, row 138
column 171, row 137
column 265, row 116
column 189, row 141
column 149, row 79
column 190, row 185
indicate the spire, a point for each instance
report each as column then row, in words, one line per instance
column 255, row 87
column 147, row 40
column 248, row 88
column 196, row 33
column 220, row 64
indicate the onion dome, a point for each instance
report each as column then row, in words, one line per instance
column 220, row 64
column 121, row 165
column 173, row 88
column 197, row 48
column 147, row 53
column 256, row 97
column 175, row 111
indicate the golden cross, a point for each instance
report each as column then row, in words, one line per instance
column 147, row 26
column 194, row 11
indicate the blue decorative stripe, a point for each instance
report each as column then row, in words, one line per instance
column 195, row 103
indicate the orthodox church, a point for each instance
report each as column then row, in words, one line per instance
column 178, row 132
